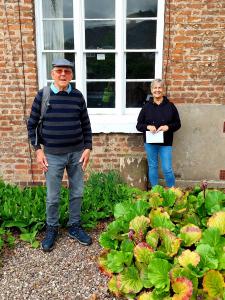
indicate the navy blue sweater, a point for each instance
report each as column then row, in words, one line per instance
column 157, row 115
column 66, row 125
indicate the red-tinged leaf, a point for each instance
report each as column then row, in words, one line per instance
column 102, row 264
column 183, row 288
column 138, row 227
column 152, row 238
column 190, row 234
column 143, row 253
column 113, row 287
column 170, row 244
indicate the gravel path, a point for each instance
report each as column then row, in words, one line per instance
column 69, row 272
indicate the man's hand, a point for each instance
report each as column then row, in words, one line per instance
column 163, row 128
column 85, row 158
column 41, row 160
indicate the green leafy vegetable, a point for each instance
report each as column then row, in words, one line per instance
column 190, row 234
column 188, row 257
column 183, row 289
column 217, row 221
column 213, row 283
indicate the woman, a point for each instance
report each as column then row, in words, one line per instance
column 159, row 114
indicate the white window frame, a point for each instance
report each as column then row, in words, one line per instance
column 105, row 120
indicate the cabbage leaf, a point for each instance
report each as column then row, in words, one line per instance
column 188, row 257
column 183, row 289
column 213, row 283
column 129, row 281
column 190, row 234
column 158, row 273
column 217, row 220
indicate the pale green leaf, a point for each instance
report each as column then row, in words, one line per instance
column 213, row 283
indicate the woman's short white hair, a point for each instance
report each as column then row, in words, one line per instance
column 157, row 81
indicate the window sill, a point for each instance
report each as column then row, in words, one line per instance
column 114, row 123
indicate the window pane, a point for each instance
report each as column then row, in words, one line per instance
column 141, row 8
column 58, row 35
column 100, row 34
column 136, row 93
column 101, row 94
column 57, row 8
column 51, row 56
column 141, row 34
column 100, row 65
column 99, row 9
column 140, row 65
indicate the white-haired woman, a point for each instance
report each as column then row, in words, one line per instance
column 159, row 114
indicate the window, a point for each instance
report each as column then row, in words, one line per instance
column 116, row 46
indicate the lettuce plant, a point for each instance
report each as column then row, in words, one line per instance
column 168, row 244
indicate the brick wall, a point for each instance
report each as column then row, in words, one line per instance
column 16, row 90
column 194, row 51
column 194, row 70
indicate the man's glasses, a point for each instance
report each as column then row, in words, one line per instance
column 61, row 71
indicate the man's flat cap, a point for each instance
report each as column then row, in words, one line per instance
column 62, row 62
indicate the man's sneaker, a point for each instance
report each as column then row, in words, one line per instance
column 50, row 238
column 76, row 232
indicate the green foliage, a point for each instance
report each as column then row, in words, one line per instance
column 7, row 238
column 176, row 246
column 213, row 283
column 24, row 209
column 182, row 288
column 102, row 191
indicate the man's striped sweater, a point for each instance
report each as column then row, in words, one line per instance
column 66, row 125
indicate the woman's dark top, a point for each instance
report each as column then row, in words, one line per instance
column 157, row 115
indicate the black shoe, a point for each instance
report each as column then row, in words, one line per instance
column 50, row 237
column 76, row 232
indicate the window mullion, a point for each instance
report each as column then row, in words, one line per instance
column 42, row 77
column 120, row 68
column 79, row 45
column 159, row 39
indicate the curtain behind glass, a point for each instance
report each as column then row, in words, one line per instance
column 54, row 30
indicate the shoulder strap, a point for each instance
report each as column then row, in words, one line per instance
column 45, row 101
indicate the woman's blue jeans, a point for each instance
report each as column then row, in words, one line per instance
column 57, row 163
column 165, row 154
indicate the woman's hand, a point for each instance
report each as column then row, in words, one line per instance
column 151, row 128
column 41, row 160
column 163, row 128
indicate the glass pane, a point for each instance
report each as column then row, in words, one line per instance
column 100, row 34
column 58, row 35
column 141, row 8
column 99, row 9
column 57, row 8
column 101, row 94
column 51, row 56
column 100, row 65
column 141, row 34
column 140, row 65
column 137, row 93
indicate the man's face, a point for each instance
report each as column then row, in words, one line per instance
column 62, row 77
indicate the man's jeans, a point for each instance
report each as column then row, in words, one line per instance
column 56, row 166
column 165, row 154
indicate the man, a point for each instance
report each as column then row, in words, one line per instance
column 66, row 139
